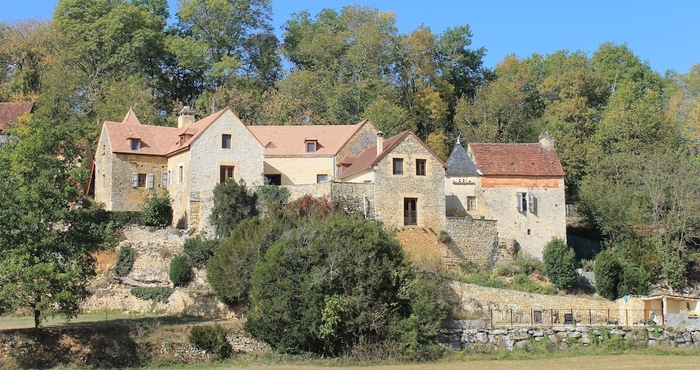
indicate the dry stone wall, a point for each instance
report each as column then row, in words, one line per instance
column 356, row 198
column 472, row 241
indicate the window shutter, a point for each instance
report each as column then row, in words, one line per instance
column 149, row 181
column 164, row 179
column 521, row 202
column 170, row 177
column 532, row 203
column 134, row 180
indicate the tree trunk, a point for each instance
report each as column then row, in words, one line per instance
column 37, row 315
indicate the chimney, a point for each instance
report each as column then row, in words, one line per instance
column 186, row 117
column 380, row 142
column 546, row 141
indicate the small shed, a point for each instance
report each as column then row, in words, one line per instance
column 662, row 309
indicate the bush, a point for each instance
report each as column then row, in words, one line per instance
column 233, row 203
column 157, row 210
column 153, row 294
column 271, row 197
column 210, row 338
column 336, row 282
column 125, row 261
column 607, row 270
column 229, row 270
column 123, row 218
column 199, row 250
column 633, row 280
column 180, row 271
column 560, row 264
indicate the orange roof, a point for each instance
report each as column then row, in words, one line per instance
column 369, row 156
column 516, row 160
column 155, row 140
column 9, row 112
column 290, row 140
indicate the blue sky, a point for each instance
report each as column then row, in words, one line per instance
column 664, row 33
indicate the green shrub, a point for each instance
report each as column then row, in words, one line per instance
column 125, row 261
column 180, row 271
column 199, row 250
column 210, row 338
column 560, row 264
column 123, row 218
column 607, row 270
column 233, row 203
column 271, row 197
column 157, row 210
column 153, row 294
column 229, row 270
column 633, row 280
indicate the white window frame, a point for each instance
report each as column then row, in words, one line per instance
column 522, row 201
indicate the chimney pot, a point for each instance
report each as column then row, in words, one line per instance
column 380, row 142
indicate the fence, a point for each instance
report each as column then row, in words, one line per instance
column 552, row 317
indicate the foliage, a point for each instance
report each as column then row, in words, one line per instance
column 607, row 270
column 123, row 218
column 560, row 264
column 633, row 280
column 210, row 338
column 180, row 271
column 233, row 203
column 308, row 205
column 46, row 241
column 229, row 270
column 199, row 250
column 157, row 210
column 125, row 260
column 271, row 197
column 333, row 283
column 153, row 294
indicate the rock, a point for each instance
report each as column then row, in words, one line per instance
column 481, row 337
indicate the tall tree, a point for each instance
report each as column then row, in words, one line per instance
column 25, row 47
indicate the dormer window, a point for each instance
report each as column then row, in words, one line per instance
column 134, row 141
column 135, row 144
column 310, row 146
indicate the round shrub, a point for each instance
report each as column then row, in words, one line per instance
column 180, row 271
column 157, row 211
column 210, row 338
column 199, row 250
column 125, row 261
column 560, row 264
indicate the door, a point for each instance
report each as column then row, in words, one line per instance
column 410, row 213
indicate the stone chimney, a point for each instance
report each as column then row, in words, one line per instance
column 186, row 117
column 380, row 142
column 546, row 141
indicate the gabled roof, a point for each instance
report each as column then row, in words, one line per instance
column 459, row 163
column 155, row 140
column 369, row 157
column 9, row 112
column 290, row 140
column 516, row 160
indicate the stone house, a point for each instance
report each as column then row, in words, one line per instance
column 10, row 112
column 405, row 180
column 520, row 186
column 305, row 158
column 133, row 160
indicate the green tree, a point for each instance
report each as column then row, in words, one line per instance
column 157, row 210
column 607, row 270
column 46, row 241
column 180, row 271
column 233, row 203
column 560, row 264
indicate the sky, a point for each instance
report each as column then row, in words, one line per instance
column 666, row 34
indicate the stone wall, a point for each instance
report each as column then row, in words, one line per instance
column 357, row 198
column 460, row 335
column 300, row 169
column 317, row 190
column 471, row 241
column 125, row 197
column 364, row 138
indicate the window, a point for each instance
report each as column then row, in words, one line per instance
column 142, row 180
column 420, row 167
column 471, row 204
column 164, row 179
column 532, row 203
column 522, row 202
column 310, row 146
column 226, row 141
column 225, row 173
column 397, row 165
column 134, row 144
column 410, row 213
column 321, row 178
column 273, row 179
column 180, row 173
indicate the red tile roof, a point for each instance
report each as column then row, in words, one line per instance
column 290, row 140
column 9, row 112
column 516, row 160
column 155, row 140
column 369, row 157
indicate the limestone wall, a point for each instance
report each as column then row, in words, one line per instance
column 125, row 197
column 317, row 190
column 429, row 190
column 103, row 170
column 178, row 188
column 300, row 170
column 457, row 189
column 364, row 138
column 357, row 198
column 472, row 240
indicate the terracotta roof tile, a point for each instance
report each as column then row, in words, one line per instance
column 9, row 112
column 516, row 160
column 289, row 140
column 130, row 118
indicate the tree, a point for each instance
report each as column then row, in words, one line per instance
column 607, row 272
column 233, row 203
column 560, row 264
column 333, row 283
column 157, row 210
column 46, row 240
column 180, row 271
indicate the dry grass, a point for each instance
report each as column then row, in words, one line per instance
column 422, row 248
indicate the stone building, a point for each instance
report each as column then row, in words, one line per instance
column 134, row 160
column 406, row 179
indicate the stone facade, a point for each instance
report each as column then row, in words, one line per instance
column 473, row 241
column 364, row 138
column 357, row 198
column 300, row 170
